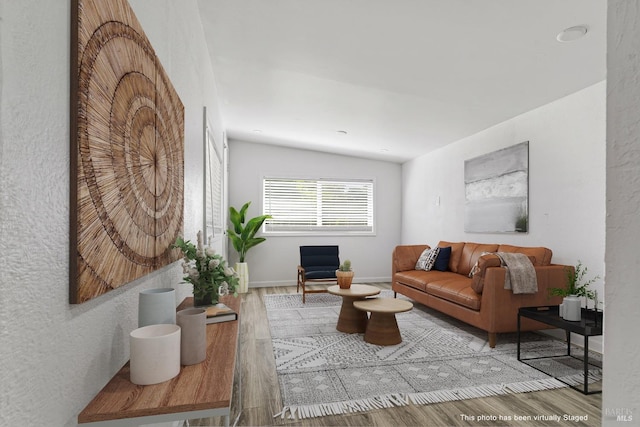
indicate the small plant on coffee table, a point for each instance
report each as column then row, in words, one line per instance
column 344, row 274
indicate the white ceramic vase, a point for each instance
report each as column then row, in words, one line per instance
column 193, row 339
column 242, row 268
column 570, row 309
column 155, row 354
column 156, row 306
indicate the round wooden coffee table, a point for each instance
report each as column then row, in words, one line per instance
column 382, row 328
column 351, row 320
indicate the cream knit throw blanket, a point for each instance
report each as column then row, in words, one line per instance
column 521, row 276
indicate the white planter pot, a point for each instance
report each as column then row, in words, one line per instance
column 242, row 268
column 156, row 306
column 570, row 309
column 155, row 354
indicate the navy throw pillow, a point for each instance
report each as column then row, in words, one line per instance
column 442, row 262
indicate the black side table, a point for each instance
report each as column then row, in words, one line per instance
column 590, row 325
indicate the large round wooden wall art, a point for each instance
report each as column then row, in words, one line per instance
column 127, row 156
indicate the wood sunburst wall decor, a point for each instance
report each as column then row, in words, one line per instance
column 127, row 152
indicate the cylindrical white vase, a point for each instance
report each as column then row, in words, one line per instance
column 242, row 268
column 571, row 308
column 193, row 340
column 155, row 354
column 156, row 306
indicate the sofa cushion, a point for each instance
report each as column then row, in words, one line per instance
column 427, row 259
column 470, row 254
column 457, row 290
column 419, row 278
column 442, row 261
column 484, row 262
column 456, row 253
column 541, row 255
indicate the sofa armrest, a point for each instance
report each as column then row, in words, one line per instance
column 404, row 257
column 499, row 306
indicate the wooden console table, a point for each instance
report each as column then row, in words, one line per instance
column 199, row 391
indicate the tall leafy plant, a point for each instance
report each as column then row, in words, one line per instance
column 243, row 235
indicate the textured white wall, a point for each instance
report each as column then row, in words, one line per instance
column 55, row 357
column 274, row 261
column 622, row 316
column 566, row 183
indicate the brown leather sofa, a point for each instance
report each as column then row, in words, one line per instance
column 480, row 300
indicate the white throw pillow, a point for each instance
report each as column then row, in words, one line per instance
column 427, row 259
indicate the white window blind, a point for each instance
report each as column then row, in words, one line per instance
column 318, row 205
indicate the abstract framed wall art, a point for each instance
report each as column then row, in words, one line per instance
column 127, row 152
column 497, row 191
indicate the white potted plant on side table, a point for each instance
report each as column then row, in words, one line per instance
column 576, row 287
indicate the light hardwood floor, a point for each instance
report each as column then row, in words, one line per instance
column 259, row 396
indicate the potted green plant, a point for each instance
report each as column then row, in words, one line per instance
column 207, row 271
column 576, row 283
column 576, row 286
column 344, row 274
column 243, row 238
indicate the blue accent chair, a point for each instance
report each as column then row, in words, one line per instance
column 318, row 265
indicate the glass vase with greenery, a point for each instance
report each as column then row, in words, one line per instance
column 207, row 271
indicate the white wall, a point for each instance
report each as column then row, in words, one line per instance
column 274, row 261
column 566, row 182
column 622, row 316
column 54, row 357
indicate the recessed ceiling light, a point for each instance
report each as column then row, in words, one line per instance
column 572, row 33
column 257, row 131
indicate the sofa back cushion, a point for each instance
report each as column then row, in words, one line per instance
column 541, row 255
column 470, row 254
column 456, row 253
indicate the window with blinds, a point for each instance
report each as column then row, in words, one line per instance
column 318, row 206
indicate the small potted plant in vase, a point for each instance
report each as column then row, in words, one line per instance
column 576, row 287
column 344, row 274
column 207, row 271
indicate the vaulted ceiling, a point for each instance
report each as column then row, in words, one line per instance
column 394, row 79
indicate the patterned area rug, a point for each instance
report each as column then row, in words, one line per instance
column 324, row 372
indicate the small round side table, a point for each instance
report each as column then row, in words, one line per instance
column 351, row 320
column 382, row 328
